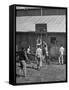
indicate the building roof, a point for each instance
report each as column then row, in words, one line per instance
column 34, row 11
column 24, row 8
column 55, row 23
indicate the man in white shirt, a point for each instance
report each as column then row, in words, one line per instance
column 61, row 50
column 28, row 50
column 39, row 57
column 28, row 53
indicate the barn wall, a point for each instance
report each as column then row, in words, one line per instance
column 60, row 38
column 26, row 39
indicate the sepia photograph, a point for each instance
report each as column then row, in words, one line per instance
column 41, row 44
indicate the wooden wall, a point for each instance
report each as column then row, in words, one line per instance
column 26, row 39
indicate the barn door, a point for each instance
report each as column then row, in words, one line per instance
column 41, row 28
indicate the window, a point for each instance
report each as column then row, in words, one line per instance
column 41, row 27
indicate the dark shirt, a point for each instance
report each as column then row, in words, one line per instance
column 21, row 55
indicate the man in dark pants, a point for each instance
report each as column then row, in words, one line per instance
column 46, row 51
column 23, row 60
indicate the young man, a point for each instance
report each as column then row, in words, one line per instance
column 23, row 60
column 39, row 56
column 28, row 50
column 46, row 51
column 61, row 51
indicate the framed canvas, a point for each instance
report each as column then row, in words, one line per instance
column 37, row 44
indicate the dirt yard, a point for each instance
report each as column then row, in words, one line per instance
column 46, row 74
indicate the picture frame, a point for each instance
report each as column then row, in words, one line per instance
column 29, row 25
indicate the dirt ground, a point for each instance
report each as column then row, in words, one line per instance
column 46, row 73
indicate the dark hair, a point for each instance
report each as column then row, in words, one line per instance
column 22, row 48
column 61, row 44
column 45, row 45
